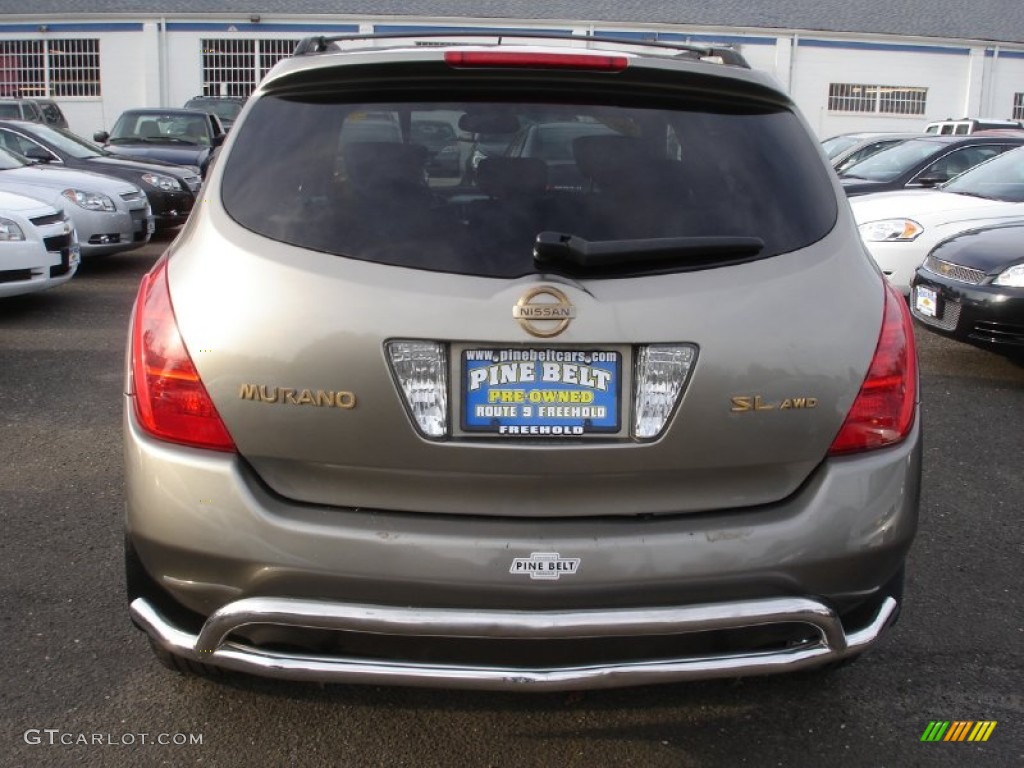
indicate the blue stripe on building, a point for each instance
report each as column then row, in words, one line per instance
column 414, row 29
column 887, row 47
column 676, row 37
column 59, row 28
column 184, row 26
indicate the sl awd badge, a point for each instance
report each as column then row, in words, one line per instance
column 548, row 566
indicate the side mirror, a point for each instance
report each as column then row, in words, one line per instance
column 101, row 137
column 929, row 181
column 218, row 140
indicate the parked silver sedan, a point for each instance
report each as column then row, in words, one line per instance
column 109, row 215
column 385, row 426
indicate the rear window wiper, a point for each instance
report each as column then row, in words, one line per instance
column 562, row 248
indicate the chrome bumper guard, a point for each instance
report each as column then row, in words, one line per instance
column 212, row 646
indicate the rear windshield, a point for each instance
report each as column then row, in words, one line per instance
column 467, row 187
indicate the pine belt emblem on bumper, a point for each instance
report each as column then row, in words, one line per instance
column 549, row 566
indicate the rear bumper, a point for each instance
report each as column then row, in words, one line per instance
column 212, row 539
column 211, row 645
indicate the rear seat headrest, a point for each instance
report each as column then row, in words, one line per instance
column 376, row 164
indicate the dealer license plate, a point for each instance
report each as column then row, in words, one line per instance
column 926, row 301
column 541, row 392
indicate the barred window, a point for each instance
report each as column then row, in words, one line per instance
column 845, row 97
column 50, row 68
column 233, row 67
column 1018, row 106
column 880, row 99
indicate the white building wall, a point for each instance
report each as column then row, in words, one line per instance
column 975, row 81
column 153, row 64
column 817, row 65
column 765, row 58
column 128, row 73
column 184, row 60
column 1006, row 78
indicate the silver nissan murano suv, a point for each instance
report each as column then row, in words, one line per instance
column 622, row 401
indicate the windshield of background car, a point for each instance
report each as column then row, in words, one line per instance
column 837, row 144
column 226, row 110
column 353, row 180
column 10, row 160
column 160, row 129
column 1001, row 178
column 67, row 142
column 894, row 161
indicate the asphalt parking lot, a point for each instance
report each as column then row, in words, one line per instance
column 79, row 685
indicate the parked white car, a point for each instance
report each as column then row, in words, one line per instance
column 900, row 228
column 110, row 215
column 38, row 246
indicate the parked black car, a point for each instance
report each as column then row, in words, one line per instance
column 848, row 149
column 971, row 288
column 170, row 188
column 923, row 162
column 224, row 107
column 181, row 136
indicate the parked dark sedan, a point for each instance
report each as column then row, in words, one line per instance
column 181, row 136
column 971, row 288
column 170, row 188
column 922, row 163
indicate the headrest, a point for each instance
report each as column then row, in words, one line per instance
column 503, row 176
column 148, row 128
column 385, row 163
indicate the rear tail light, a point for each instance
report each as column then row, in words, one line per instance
column 421, row 370
column 661, row 374
column 534, row 60
column 883, row 413
column 171, row 402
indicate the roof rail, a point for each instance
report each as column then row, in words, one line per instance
column 696, row 51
